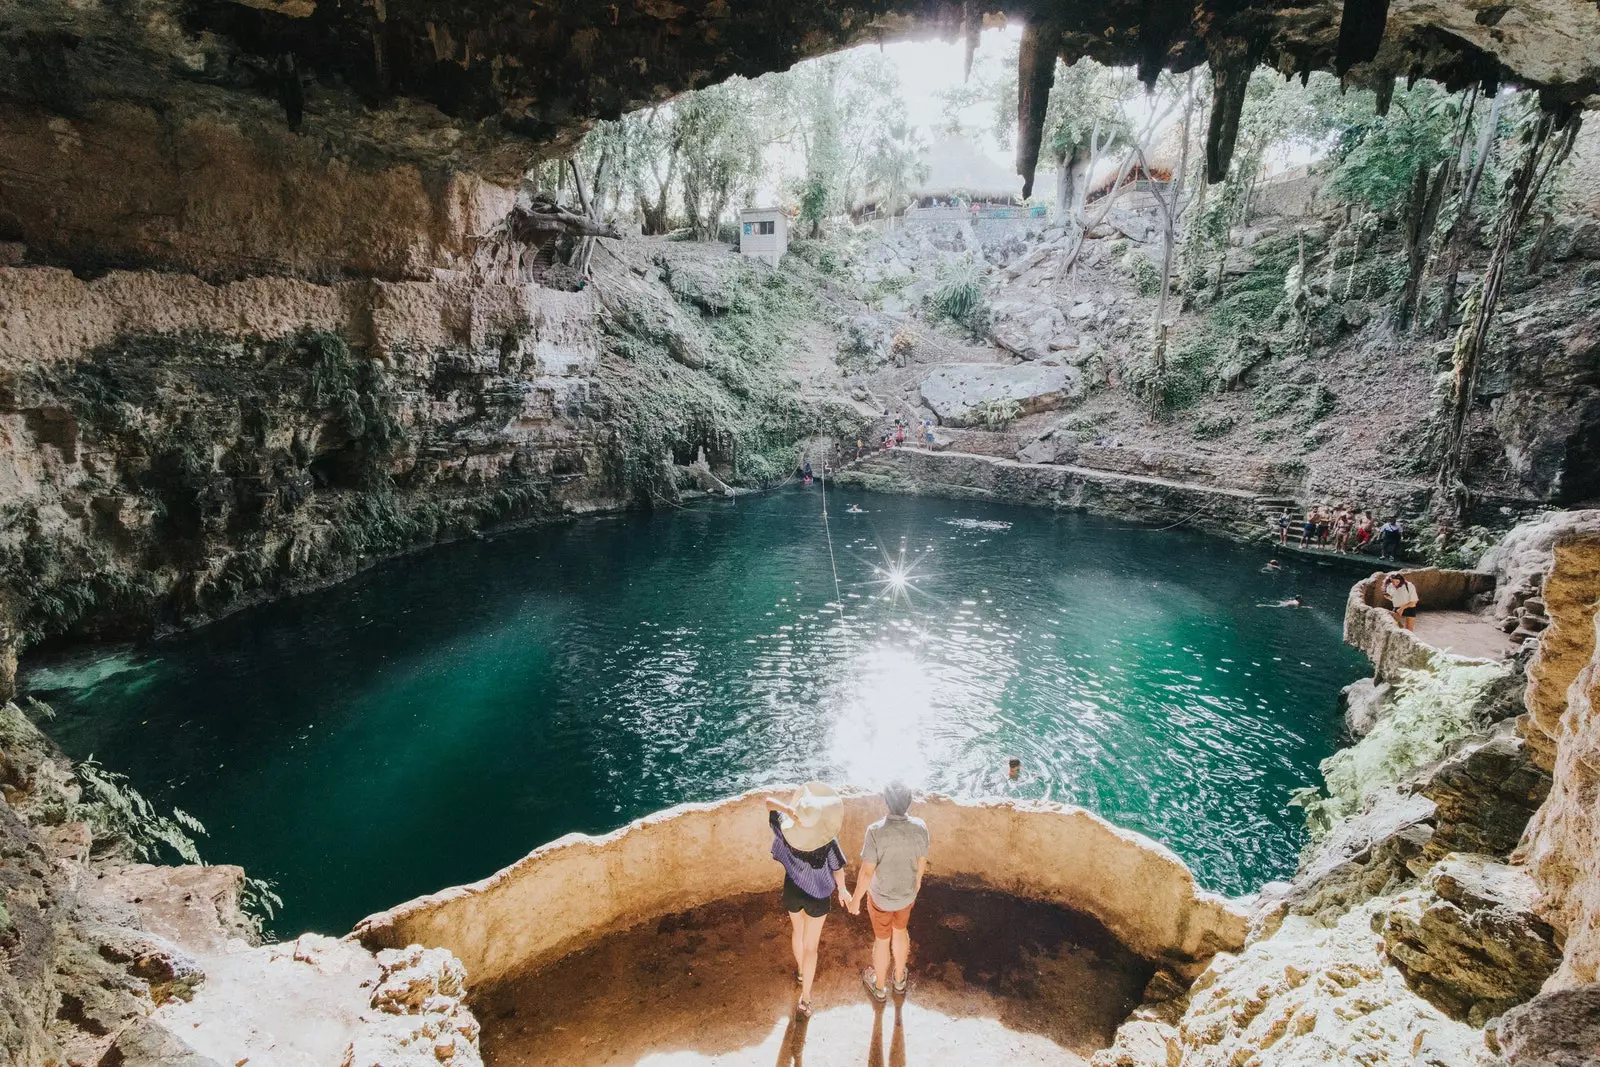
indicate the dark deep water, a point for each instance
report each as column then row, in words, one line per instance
column 444, row 714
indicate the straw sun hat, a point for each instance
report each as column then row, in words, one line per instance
column 818, row 815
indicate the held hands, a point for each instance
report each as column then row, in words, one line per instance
column 853, row 903
column 846, row 901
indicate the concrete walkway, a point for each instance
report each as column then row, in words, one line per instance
column 995, row 980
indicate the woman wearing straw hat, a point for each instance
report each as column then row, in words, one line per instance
column 804, row 839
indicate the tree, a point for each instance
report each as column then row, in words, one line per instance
column 721, row 138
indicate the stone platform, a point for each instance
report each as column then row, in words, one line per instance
column 995, row 979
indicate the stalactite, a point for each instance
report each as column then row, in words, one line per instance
column 1360, row 33
column 1232, row 63
column 1158, row 28
column 1036, row 73
column 971, row 30
column 1384, row 93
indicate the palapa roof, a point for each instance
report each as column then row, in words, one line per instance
column 956, row 165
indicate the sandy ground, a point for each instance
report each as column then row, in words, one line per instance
column 1464, row 633
column 995, row 980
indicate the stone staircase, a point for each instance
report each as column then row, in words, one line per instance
column 1528, row 621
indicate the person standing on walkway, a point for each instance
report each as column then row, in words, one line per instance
column 894, row 856
column 1389, row 535
column 1403, row 600
column 805, row 831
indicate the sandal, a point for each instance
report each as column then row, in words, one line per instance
column 902, row 986
column 802, row 1009
column 799, row 979
column 870, row 980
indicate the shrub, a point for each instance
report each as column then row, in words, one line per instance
column 960, row 299
column 1213, row 424
column 996, row 413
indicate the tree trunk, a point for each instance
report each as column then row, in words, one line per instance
column 1169, row 232
column 1542, row 154
column 1461, row 228
column 1065, row 161
column 1426, row 197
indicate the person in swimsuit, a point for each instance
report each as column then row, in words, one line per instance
column 805, row 831
column 1341, row 531
column 1308, row 530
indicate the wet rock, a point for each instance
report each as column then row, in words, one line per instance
column 957, row 390
column 1469, row 941
column 1363, row 704
column 1560, row 1028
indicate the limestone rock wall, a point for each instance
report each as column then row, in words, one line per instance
column 1563, row 842
column 575, row 888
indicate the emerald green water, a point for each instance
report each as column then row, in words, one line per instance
column 444, row 714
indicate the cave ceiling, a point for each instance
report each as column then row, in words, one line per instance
column 491, row 84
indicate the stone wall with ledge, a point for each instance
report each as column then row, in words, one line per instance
column 576, row 888
column 1370, row 627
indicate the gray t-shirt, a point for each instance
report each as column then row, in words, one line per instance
column 895, row 843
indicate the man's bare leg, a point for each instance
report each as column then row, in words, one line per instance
column 880, row 961
column 901, row 942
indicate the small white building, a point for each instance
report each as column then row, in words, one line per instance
column 764, row 233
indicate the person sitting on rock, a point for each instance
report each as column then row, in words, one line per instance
column 1403, row 600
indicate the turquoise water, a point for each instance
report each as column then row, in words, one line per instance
column 442, row 715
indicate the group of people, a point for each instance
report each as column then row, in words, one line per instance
column 894, row 857
column 1350, row 531
column 896, row 438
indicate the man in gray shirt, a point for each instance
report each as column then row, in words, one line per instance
column 893, row 858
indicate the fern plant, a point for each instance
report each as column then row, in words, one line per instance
column 120, row 815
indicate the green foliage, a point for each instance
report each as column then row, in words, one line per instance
column 738, row 403
column 1430, row 710
column 355, row 389
column 960, row 299
column 121, row 817
column 1213, row 424
column 1376, row 158
column 996, row 413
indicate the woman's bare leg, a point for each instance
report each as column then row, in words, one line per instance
column 808, row 965
column 797, row 939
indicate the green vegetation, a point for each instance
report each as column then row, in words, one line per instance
column 996, row 414
column 960, row 299
column 735, row 398
column 1430, row 710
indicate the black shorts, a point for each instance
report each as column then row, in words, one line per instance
column 1409, row 613
column 797, row 899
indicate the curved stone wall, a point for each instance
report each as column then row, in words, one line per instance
column 1369, row 627
column 577, row 887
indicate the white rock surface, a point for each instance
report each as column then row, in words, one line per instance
column 955, row 390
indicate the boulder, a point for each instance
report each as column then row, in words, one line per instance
column 144, row 1044
column 1363, row 704
column 1468, row 940
column 1560, row 1028
column 955, row 391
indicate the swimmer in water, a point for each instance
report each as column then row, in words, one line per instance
column 1013, row 768
column 1292, row 602
column 854, row 509
column 1272, row 565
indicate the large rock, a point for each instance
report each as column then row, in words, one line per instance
column 1469, row 941
column 1484, row 793
column 1556, row 1029
column 1364, row 701
column 1363, row 857
column 956, row 391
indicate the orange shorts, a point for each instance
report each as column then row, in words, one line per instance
column 885, row 923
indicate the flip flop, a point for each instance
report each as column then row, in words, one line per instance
column 870, row 980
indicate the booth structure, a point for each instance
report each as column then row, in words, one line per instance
column 764, row 233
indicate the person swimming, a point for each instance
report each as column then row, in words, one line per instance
column 854, row 509
column 1292, row 602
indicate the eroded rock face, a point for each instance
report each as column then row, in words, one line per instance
column 1556, row 1029
column 1313, row 995
column 1563, row 848
column 564, row 894
column 1469, row 940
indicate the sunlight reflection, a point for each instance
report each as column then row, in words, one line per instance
column 881, row 709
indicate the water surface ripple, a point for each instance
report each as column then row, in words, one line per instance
column 437, row 718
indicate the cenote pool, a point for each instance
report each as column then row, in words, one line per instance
column 443, row 714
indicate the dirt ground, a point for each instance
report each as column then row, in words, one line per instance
column 1464, row 633
column 994, row 980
